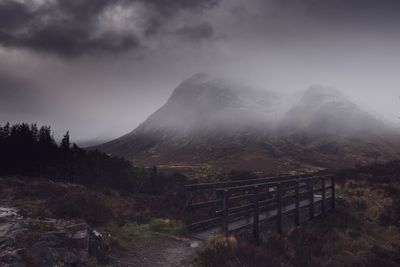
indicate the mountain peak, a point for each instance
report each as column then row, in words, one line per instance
column 317, row 95
column 323, row 90
column 198, row 77
column 209, row 119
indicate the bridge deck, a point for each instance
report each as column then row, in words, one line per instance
column 263, row 216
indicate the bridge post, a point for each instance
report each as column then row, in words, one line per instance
column 311, row 188
column 279, row 208
column 188, row 210
column 333, row 192
column 256, row 233
column 225, row 212
column 297, row 218
column 323, row 210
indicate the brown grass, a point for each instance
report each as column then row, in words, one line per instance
column 362, row 231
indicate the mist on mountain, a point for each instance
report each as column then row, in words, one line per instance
column 211, row 119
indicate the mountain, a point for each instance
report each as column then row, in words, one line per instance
column 202, row 104
column 326, row 111
column 214, row 123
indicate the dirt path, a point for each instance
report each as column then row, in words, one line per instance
column 160, row 251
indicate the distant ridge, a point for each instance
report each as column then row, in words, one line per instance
column 210, row 122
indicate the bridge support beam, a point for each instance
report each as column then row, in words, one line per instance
column 279, row 209
column 333, row 192
column 188, row 211
column 311, row 189
column 225, row 212
column 256, row 230
column 297, row 204
column 323, row 209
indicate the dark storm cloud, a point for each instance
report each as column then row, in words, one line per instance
column 195, row 33
column 13, row 14
column 68, row 28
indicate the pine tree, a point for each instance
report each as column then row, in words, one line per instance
column 65, row 144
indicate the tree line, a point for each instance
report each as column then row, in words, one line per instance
column 29, row 150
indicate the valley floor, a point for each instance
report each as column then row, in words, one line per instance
column 46, row 223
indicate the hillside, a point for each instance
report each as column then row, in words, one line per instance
column 214, row 123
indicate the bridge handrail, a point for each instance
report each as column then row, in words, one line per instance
column 270, row 184
column 253, row 192
column 200, row 186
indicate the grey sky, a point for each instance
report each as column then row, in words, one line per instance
column 98, row 68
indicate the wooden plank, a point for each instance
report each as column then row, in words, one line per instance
column 214, row 203
column 279, row 209
column 333, row 192
column 225, row 208
column 262, row 204
column 256, row 233
column 323, row 211
column 266, row 184
column 288, row 198
column 202, row 186
column 203, row 223
column 297, row 203
column 205, row 204
column 311, row 199
column 263, row 216
column 188, row 211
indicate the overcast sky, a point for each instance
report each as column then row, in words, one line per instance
column 99, row 67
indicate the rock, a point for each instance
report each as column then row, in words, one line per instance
column 44, row 254
column 55, row 238
column 194, row 244
column 71, row 258
column 80, row 235
column 18, row 264
column 78, row 227
column 10, row 257
column 8, row 241
column 98, row 249
column 97, row 234
column 69, row 245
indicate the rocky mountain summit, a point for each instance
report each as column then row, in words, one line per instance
column 215, row 122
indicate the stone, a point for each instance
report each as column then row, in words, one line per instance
column 71, row 258
column 194, row 244
column 98, row 249
column 78, row 227
column 97, row 234
column 10, row 256
column 8, row 241
column 44, row 254
column 80, row 235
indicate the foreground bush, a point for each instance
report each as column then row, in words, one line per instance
column 364, row 230
column 228, row 251
column 88, row 206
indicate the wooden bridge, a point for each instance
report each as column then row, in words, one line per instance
column 227, row 207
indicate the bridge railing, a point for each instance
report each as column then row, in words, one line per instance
column 202, row 200
column 230, row 202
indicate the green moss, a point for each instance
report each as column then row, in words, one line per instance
column 133, row 230
column 165, row 226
